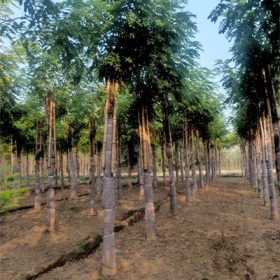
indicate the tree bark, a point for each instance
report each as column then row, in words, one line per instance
column 258, row 163
column 181, row 161
column 193, row 164
column 119, row 170
column 207, row 163
column 176, row 157
column 108, row 196
column 61, row 166
column 187, row 165
column 270, row 92
column 129, row 167
column 269, row 164
column 92, row 183
column 163, row 159
column 154, row 155
column 148, row 189
column 50, row 108
column 73, row 171
column 140, row 169
column 38, row 151
column 170, row 160
column 201, row 180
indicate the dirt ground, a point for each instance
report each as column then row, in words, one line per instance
column 224, row 233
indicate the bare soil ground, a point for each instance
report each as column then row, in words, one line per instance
column 224, row 233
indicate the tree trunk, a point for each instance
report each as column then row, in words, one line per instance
column 61, row 166
column 201, row 180
column 129, row 168
column 170, row 160
column 181, row 161
column 42, row 165
column 187, row 165
column 50, row 108
column 73, row 172
column 269, row 164
column 148, row 189
column 258, row 164
column 119, row 170
column 207, row 163
column 212, row 163
column 108, row 195
column 263, row 163
column 270, row 91
column 163, row 159
column 37, row 202
column 176, row 161
column 15, row 165
column 140, row 169
column 99, row 171
column 193, row 164
column 154, row 155
column 27, row 168
column 92, row 183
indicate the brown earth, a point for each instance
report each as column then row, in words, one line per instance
column 224, row 233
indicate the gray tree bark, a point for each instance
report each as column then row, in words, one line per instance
column 108, row 196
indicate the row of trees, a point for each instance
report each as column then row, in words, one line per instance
column 253, row 86
column 136, row 61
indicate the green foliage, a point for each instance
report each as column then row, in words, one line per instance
column 9, row 195
column 253, row 26
column 230, row 140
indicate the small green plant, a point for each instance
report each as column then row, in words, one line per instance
column 83, row 244
column 10, row 195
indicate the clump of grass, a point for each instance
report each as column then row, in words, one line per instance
column 10, row 192
column 231, row 175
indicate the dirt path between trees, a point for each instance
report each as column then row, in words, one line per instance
column 225, row 233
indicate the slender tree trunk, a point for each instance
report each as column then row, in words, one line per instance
column 129, row 168
column 61, row 168
column 250, row 157
column 213, row 164
column 73, row 172
column 148, row 189
column 169, row 155
column 163, row 159
column 37, row 202
column 193, row 164
column 269, row 163
column 176, row 161
column 207, row 163
column 99, row 171
column 187, row 165
column 181, row 151
column 119, row 170
column 15, row 165
column 27, row 168
column 201, row 180
column 42, row 164
column 258, row 164
column 219, row 163
column 92, row 184
column 108, row 195
column 255, row 170
column 51, row 161
column 51, row 186
column 140, row 168
column 263, row 163
column 154, row 155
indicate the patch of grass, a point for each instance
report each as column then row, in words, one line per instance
column 10, row 192
column 82, row 244
column 231, row 175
